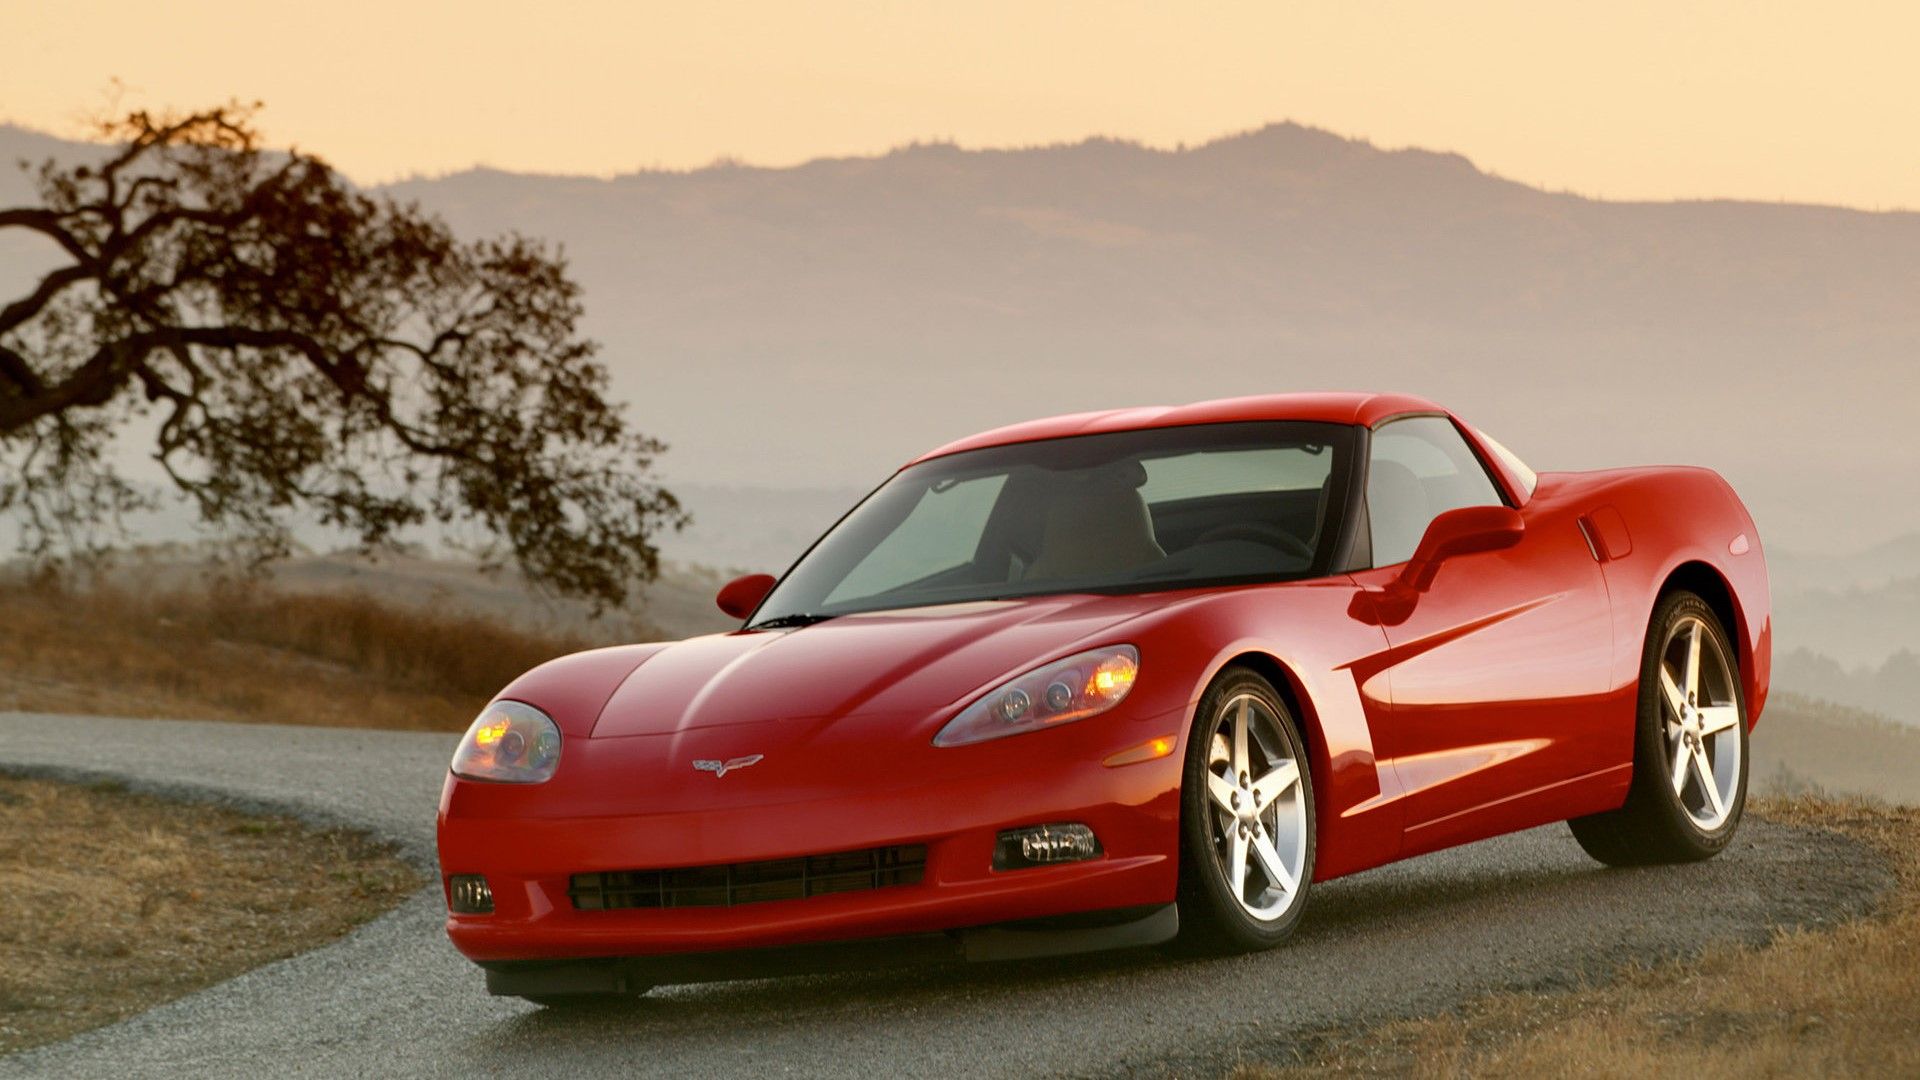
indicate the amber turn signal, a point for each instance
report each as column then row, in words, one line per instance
column 1151, row 750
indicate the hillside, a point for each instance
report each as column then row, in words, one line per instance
column 1847, row 626
column 1891, row 689
column 852, row 311
column 678, row 604
column 336, row 640
column 1855, row 625
column 1803, row 744
column 812, row 327
column 1834, row 566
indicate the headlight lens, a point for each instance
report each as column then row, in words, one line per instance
column 1085, row 684
column 510, row 743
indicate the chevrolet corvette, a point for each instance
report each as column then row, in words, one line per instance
column 1120, row 679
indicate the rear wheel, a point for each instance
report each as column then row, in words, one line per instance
column 1690, row 749
column 1246, row 821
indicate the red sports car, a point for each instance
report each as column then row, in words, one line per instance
column 1118, row 678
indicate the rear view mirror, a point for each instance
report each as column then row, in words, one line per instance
column 740, row 596
column 1462, row 531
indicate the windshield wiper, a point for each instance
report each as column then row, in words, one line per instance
column 782, row 622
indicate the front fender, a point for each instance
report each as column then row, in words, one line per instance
column 1301, row 636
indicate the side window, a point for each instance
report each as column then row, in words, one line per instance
column 1418, row 469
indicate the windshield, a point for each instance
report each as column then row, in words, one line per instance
column 1129, row 511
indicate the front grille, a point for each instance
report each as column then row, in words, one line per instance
column 749, row 883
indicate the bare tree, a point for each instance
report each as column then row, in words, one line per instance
column 300, row 345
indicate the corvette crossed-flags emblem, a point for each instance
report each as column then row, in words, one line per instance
column 722, row 768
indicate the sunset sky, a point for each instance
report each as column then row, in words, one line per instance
column 1816, row 102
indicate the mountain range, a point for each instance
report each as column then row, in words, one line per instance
column 812, row 327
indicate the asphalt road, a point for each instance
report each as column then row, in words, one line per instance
column 393, row 999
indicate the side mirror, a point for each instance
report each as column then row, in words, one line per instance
column 740, row 596
column 1462, row 531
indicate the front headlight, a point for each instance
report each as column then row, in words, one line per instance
column 1085, row 684
column 510, row 743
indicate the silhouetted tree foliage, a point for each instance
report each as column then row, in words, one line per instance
column 296, row 345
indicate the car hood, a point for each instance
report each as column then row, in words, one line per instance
column 919, row 663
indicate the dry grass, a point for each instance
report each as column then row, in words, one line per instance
column 255, row 654
column 1839, row 1001
column 111, row 903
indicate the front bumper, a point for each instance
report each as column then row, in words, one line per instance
column 528, row 842
column 1126, row 928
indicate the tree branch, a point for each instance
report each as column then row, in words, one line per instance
column 21, row 310
column 47, row 223
column 19, row 372
column 92, row 383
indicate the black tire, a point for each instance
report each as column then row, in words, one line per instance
column 1654, row 826
column 1211, row 920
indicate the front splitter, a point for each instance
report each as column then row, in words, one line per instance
column 1128, row 928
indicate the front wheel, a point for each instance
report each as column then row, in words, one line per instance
column 1690, row 749
column 1246, row 819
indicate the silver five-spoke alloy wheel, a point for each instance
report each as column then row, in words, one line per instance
column 1259, row 814
column 1702, row 716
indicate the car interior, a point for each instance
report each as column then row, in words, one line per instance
column 1097, row 524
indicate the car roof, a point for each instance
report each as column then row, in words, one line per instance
column 1364, row 409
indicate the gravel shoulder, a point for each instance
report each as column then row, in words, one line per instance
column 393, row 998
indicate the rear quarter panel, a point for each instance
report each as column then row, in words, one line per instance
column 1679, row 525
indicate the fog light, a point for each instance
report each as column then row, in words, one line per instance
column 1044, row 845
column 469, row 894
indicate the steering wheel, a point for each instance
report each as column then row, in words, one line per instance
column 1268, row 535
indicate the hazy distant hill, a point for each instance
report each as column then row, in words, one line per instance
column 1804, row 743
column 1890, row 688
column 1847, row 626
column 679, row 604
column 815, row 326
column 755, row 528
column 1873, row 568
column 1854, row 625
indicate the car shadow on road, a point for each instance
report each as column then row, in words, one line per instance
column 1425, row 891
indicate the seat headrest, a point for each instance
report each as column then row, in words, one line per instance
column 1096, row 526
